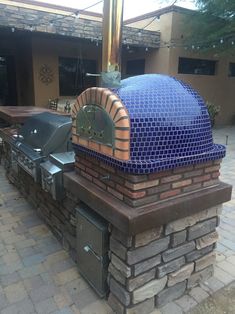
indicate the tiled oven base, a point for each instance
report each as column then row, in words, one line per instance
column 155, row 267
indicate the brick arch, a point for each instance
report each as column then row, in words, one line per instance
column 112, row 104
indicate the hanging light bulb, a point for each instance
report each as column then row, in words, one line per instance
column 221, row 40
column 13, row 29
column 232, row 42
column 193, row 46
column 146, row 49
column 198, row 47
column 213, row 46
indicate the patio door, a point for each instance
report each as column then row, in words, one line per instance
column 8, row 95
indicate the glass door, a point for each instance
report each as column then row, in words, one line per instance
column 8, row 96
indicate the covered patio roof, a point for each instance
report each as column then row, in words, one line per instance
column 32, row 20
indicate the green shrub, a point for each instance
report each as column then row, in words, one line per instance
column 213, row 111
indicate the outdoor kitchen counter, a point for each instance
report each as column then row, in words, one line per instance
column 135, row 220
column 18, row 114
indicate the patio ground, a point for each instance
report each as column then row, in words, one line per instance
column 38, row 276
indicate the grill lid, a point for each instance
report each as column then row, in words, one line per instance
column 46, row 133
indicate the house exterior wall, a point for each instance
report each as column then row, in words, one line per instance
column 218, row 88
column 47, row 51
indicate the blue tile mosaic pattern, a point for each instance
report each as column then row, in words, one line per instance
column 170, row 126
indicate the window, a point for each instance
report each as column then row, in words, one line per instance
column 72, row 75
column 231, row 69
column 196, row 66
column 135, row 67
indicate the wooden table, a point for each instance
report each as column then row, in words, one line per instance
column 18, row 114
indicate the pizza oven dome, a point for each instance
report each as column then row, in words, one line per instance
column 151, row 123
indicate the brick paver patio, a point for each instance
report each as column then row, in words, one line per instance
column 38, row 276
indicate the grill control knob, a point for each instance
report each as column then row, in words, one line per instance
column 49, row 180
column 30, row 165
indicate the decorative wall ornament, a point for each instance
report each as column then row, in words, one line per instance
column 46, row 74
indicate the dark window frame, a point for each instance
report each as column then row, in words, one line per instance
column 72, row 75
column 137, row 64
column 196, row 66
column 231, row 70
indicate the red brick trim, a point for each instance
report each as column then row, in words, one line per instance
column 112, row 104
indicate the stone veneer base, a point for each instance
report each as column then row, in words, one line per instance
column 155, row 267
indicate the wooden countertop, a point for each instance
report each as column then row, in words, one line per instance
column 18, row 114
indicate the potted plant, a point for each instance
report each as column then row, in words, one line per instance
column 213, row 111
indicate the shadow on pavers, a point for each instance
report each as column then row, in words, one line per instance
column 222, row 302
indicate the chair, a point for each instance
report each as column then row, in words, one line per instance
column 53, row 104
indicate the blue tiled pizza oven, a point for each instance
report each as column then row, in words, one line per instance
column 169, row 126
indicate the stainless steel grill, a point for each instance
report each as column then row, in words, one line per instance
column 40, row 136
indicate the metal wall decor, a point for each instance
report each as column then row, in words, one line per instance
column 46, row 74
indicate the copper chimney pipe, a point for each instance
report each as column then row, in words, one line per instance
column 112, row 39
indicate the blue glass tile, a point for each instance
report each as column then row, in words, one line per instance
column 170, row 126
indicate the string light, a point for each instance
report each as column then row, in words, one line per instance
column 76, row 14
column 139, row 31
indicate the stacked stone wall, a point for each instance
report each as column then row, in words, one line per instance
column 155, row 267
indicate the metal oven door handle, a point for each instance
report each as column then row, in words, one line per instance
column 87, row 249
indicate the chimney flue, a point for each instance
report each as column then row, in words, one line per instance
column 112, row 38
